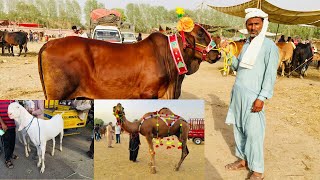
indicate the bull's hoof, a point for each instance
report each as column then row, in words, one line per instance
column 153, row 170
column 301, row 77
column 150, row 163
column 27, row 154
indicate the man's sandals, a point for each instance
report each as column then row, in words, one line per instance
column 9, row 164
column 235, row 166
column 15, row 157
column 255, row 177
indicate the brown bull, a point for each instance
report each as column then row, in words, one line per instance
column 15, row 39
column 285, row 54
column 75, row 67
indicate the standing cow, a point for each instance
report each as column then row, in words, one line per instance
column 302, row 57
column 14, row 39
column 75, row 67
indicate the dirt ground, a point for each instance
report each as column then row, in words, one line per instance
column 292, row 144
column 19, row 77
column 114, row 163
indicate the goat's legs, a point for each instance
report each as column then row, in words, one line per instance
column 25, row 143
column 43, row 152
column 28, row 143
column 53, row 146
column 19, row 133
column 39, row 156
column 61, row 137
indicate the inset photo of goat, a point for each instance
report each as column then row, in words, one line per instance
column 135, row 139
column 46, row 139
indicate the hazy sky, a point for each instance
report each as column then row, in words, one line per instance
column 304, row 5
column 135, row 109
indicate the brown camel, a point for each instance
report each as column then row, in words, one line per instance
column 152, row 125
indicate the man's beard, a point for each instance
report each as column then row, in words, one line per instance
column 255, row 35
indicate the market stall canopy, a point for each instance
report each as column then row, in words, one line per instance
column 276, row 14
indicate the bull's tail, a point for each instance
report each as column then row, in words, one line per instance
column 41, row 70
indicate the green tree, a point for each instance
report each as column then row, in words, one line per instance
column 123, row 16
column 52, row 9
column 98, row 121
column 89, row 6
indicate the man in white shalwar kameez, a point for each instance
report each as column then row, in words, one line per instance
column 256, row 69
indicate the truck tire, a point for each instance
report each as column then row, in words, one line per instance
column 197, row 141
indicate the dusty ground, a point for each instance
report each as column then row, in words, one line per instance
column 71, row 163
column 19, row 75
column 114, row 163
column 292, row 144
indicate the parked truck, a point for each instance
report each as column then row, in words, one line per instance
column 196, row 132
column 107, row 26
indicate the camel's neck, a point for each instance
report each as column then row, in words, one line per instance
column 130, row 127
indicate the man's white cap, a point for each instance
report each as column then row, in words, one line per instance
column 254, row 12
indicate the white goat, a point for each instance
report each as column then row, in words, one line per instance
column 39, row 130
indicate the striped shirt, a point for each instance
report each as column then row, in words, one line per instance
column 4, row 114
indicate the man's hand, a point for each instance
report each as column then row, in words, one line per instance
column 4, row 126
column 257, row 105
column 225, row 46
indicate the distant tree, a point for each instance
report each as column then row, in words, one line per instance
column 89, row 6
column 52, row 9
column 98, row 121
column 123, row 16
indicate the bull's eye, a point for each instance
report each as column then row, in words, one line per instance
column 200, row 33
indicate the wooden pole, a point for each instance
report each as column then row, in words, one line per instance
column 275, row 38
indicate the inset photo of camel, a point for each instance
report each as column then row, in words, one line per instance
column 161, row 139
column 46, row 139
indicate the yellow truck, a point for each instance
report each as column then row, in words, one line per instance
column 70, row 116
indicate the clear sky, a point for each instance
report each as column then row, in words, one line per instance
column 303, row 5
column 135, row 109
